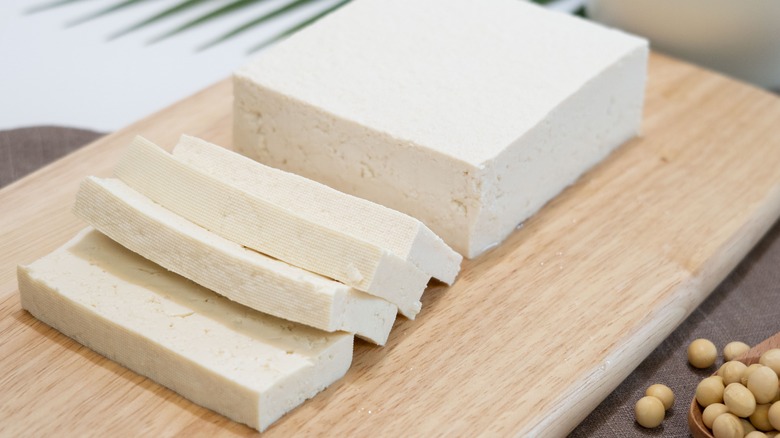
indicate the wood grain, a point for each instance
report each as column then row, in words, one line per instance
column 531, row 337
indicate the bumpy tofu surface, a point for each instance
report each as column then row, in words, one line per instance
column 467, row 115
column 240, row 274
column 401, row 234
column 266, row 227
column 250, row 367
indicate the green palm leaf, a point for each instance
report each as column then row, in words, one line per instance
column 117, row 7
column 256, row 22
column 230, row 8
column 219, row 12
column 51, row 5
column 170, row 12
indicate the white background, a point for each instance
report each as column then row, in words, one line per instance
column 74, row 76
column 54, row 74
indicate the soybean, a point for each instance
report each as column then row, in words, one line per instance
column 763, row 383
column 649, row 412
column 712, row 412
column 774, row 415
column 748, row 372
column 771, row 359
column 710, row 390
column 732, row 371
column 732, row 350
column 663, row 393
column 760, row 418
column 727, row 426
column 739, row 400
column 747, row 426
column 702, row 353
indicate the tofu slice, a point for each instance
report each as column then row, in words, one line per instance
column 363, row 220
column 247, row 366
column 468, row 115
column 260, row 225
column 242, row 275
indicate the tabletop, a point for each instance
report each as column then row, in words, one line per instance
column 741, row 308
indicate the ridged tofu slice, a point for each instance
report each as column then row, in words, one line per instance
column 250, row 367
column 263, row 226
column 403, row 235
column 242, row 275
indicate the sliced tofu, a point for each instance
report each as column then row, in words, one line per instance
column 403, row 235
column 263, row 226
column 245, row 276
column 250, row 367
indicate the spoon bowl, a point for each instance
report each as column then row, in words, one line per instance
column 695, row 423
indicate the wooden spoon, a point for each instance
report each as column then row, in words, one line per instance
column 695, row 423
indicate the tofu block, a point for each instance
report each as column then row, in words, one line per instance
column 366, row 221
column 467, row 115
column 242, row 275
column 263, row 226
column 250, row 367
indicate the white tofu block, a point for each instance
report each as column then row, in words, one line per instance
column 250, row 367
column 242, row 275
column 468, row 115
column 263, row 226
column 366, row 221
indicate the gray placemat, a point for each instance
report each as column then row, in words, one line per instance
column 746, row 306
column 24, row 150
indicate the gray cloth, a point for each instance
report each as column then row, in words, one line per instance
column 744, row 307
column 24, row 150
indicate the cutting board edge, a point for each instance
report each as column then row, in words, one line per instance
column 696, row 288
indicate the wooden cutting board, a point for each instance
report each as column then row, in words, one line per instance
column 531, row 337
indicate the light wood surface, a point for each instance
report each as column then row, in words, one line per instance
column 530, row 338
